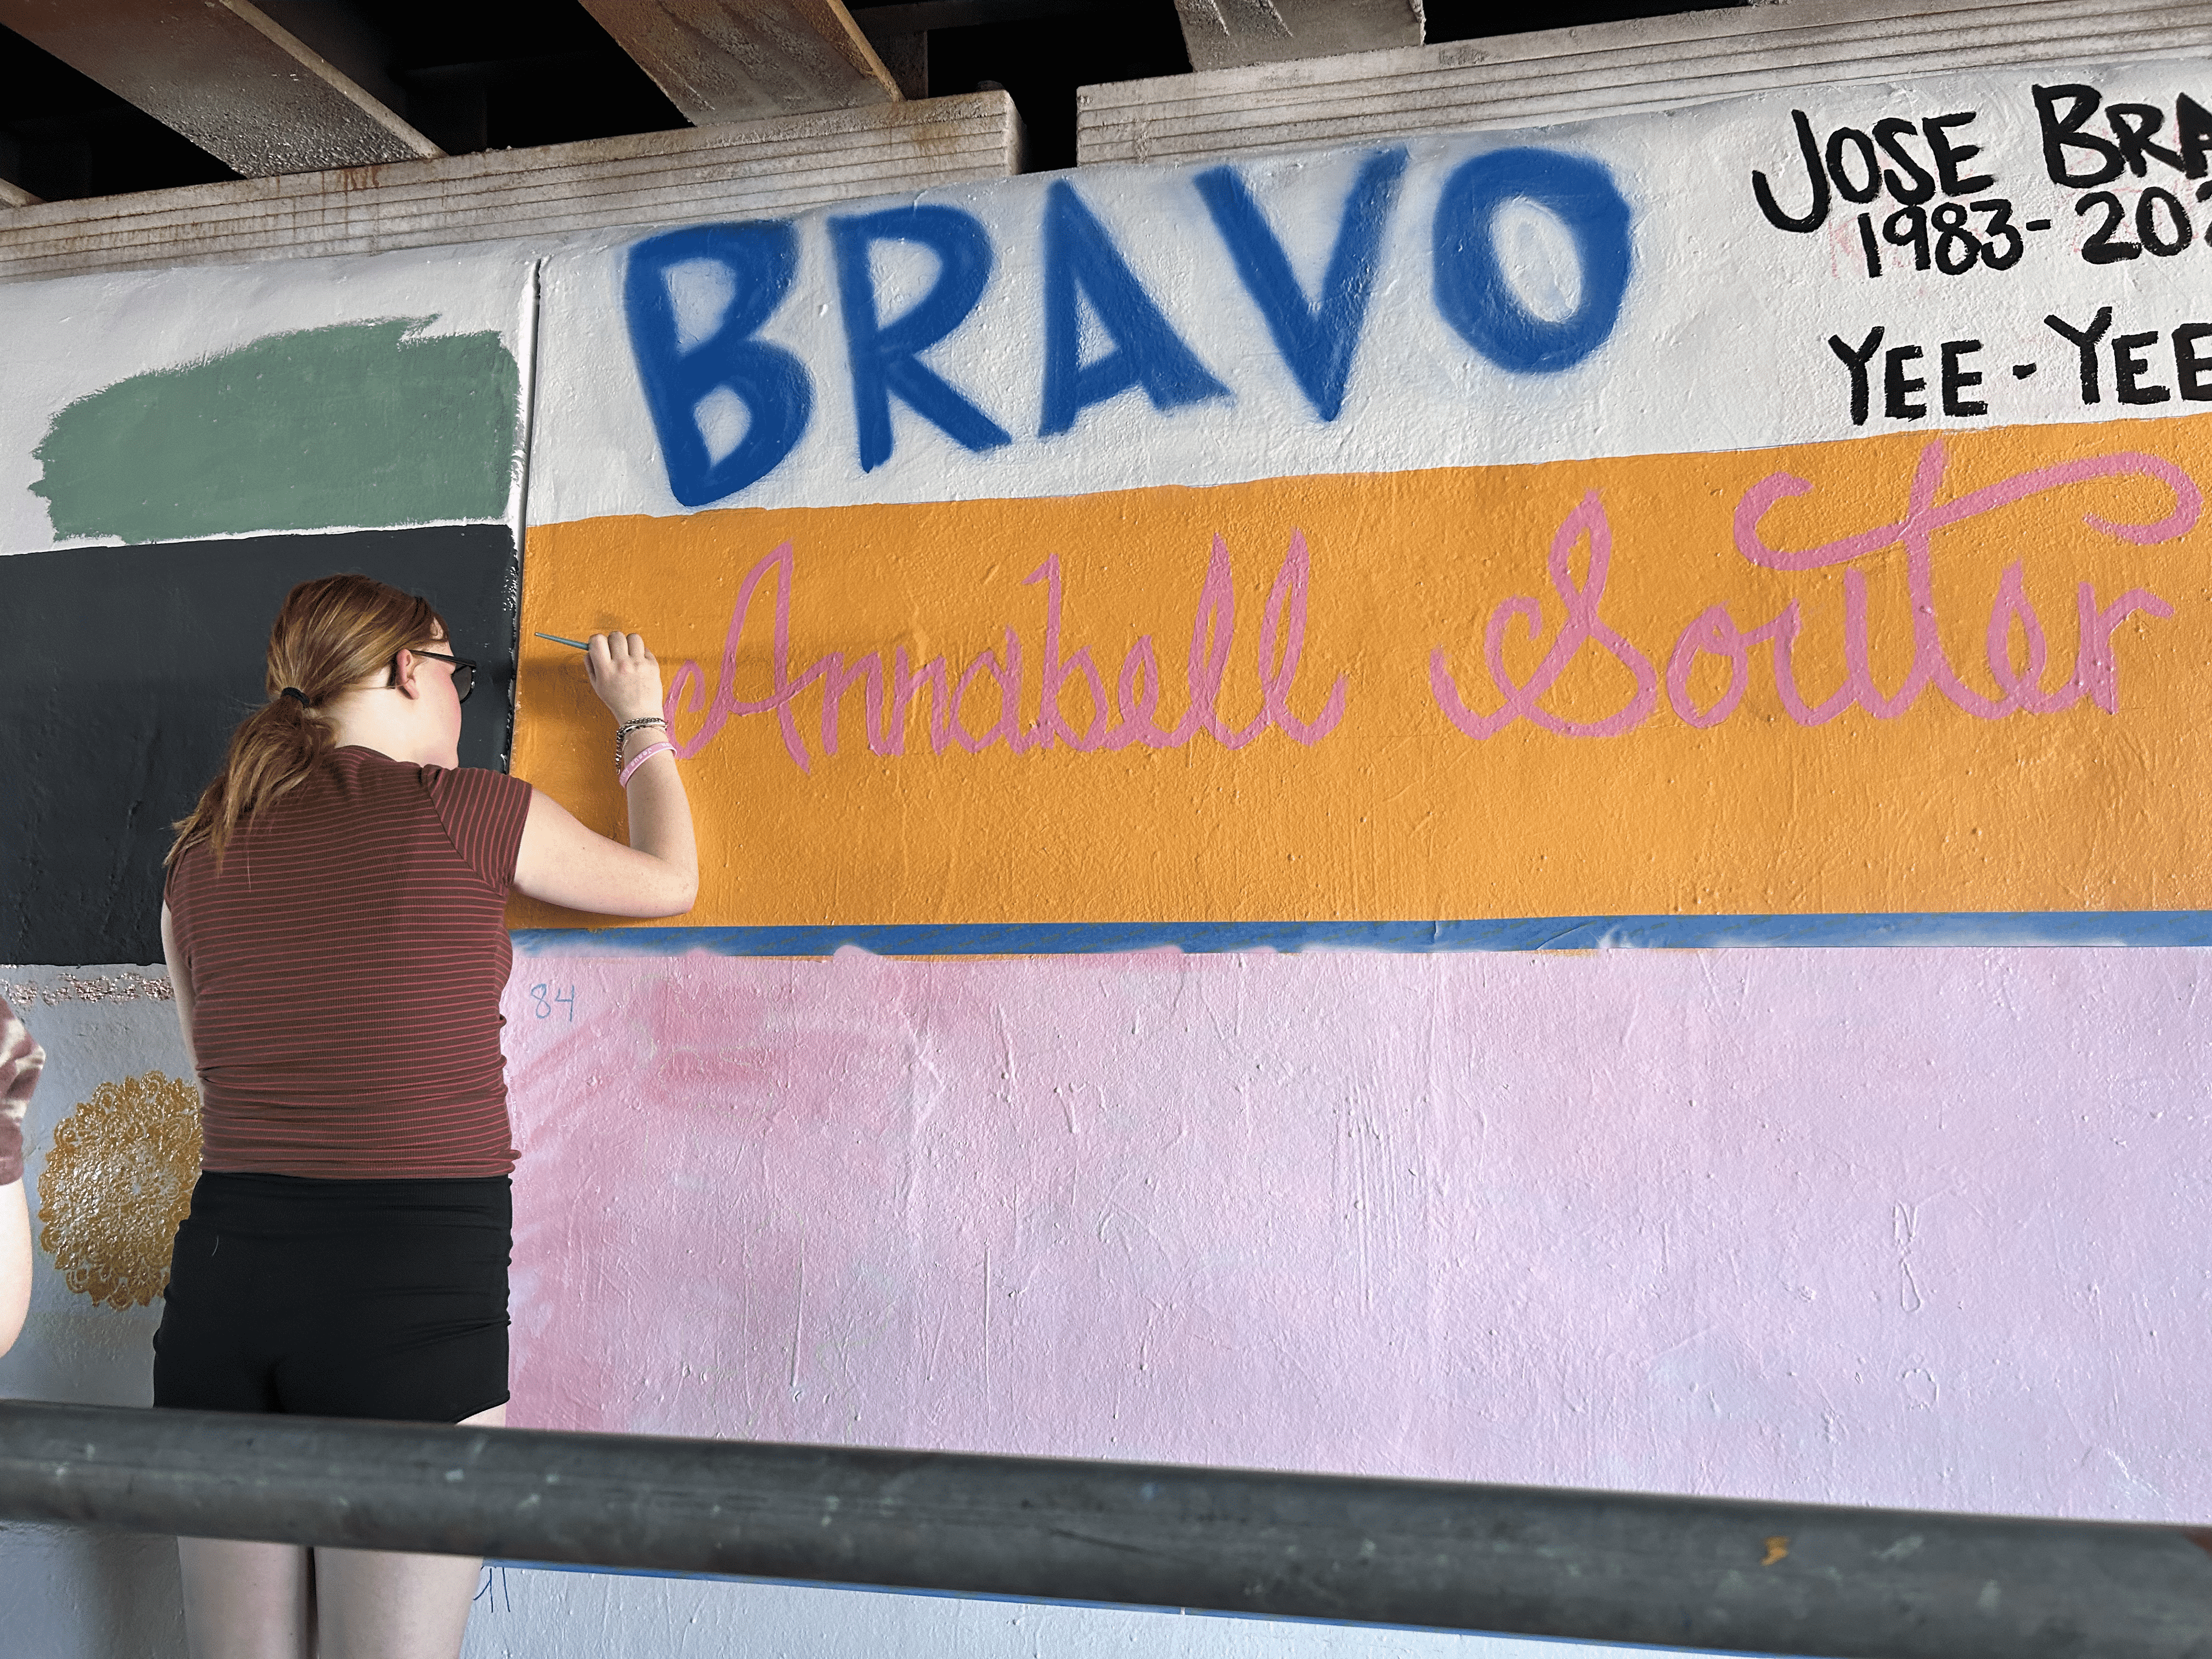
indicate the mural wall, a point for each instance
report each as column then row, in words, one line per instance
column 1623, row 522
column 177, row 449
column 1193, row 683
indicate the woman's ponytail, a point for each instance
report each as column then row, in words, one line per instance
column 331, row 636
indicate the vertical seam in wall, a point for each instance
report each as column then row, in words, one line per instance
column 528, row 355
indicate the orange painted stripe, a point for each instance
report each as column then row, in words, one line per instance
column 1606, row 795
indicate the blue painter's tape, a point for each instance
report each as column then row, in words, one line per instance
column 2062, row 928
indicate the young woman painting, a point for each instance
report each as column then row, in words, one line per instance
column 334, row 925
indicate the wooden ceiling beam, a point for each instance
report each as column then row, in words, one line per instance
column 535, row 197
column 1237, row 34
column 1605, row 70
column 748, row 60
column 227, row 76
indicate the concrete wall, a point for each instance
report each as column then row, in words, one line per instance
column 1476, row 541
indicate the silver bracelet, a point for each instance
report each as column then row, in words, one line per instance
column 622, row 731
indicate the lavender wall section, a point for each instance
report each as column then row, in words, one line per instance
column 1899, row 1227
column 1905, row 1227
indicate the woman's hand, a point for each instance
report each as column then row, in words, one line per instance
column 626, row 676
column 563, row 863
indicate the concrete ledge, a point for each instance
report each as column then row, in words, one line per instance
column 745, row 170
column 1609, row 68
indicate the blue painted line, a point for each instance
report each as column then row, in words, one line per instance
column 1985, row 927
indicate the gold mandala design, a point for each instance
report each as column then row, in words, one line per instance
column 116, row 1184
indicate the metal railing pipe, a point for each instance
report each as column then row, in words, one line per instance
column 1783, row 1578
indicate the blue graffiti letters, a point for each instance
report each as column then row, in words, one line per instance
column 941, row 306
column 1316, row 341
column 728, row 407
column 886, row 357
column 1081, row 264
column 1472, row 290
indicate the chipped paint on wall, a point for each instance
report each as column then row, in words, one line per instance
column 69, row 986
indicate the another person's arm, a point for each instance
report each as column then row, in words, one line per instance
column 21, row 1062
column 563, row 863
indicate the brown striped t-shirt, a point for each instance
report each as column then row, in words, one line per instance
column 346, row 966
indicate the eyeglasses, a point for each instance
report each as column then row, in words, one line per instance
column 464, row 673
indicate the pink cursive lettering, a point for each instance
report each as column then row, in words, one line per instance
column 2015, row 643
column 1582, row 626
column 891, row 689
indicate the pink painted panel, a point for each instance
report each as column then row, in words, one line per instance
column 1908, row 1227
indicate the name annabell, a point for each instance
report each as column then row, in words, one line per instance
column 980, row 702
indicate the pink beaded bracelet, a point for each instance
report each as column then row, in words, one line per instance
column 623, row 776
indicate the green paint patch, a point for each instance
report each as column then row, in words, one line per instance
column 364, row 424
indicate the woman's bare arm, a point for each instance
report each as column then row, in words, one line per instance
column 563, row 863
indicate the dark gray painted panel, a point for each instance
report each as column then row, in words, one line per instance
column 126, row 671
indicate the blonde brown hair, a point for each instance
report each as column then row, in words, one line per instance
column 332, row 632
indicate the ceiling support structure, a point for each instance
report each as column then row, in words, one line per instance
column 720, row 61
column 1603, row 70
column 535, row 197
column 227, row 76
column 1237, row 34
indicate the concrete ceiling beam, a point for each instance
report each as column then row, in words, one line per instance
column 1237, row 34
column 227, row 76
column 14, row 195
column 720, row 61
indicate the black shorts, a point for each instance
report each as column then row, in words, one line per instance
column 338, row 1298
